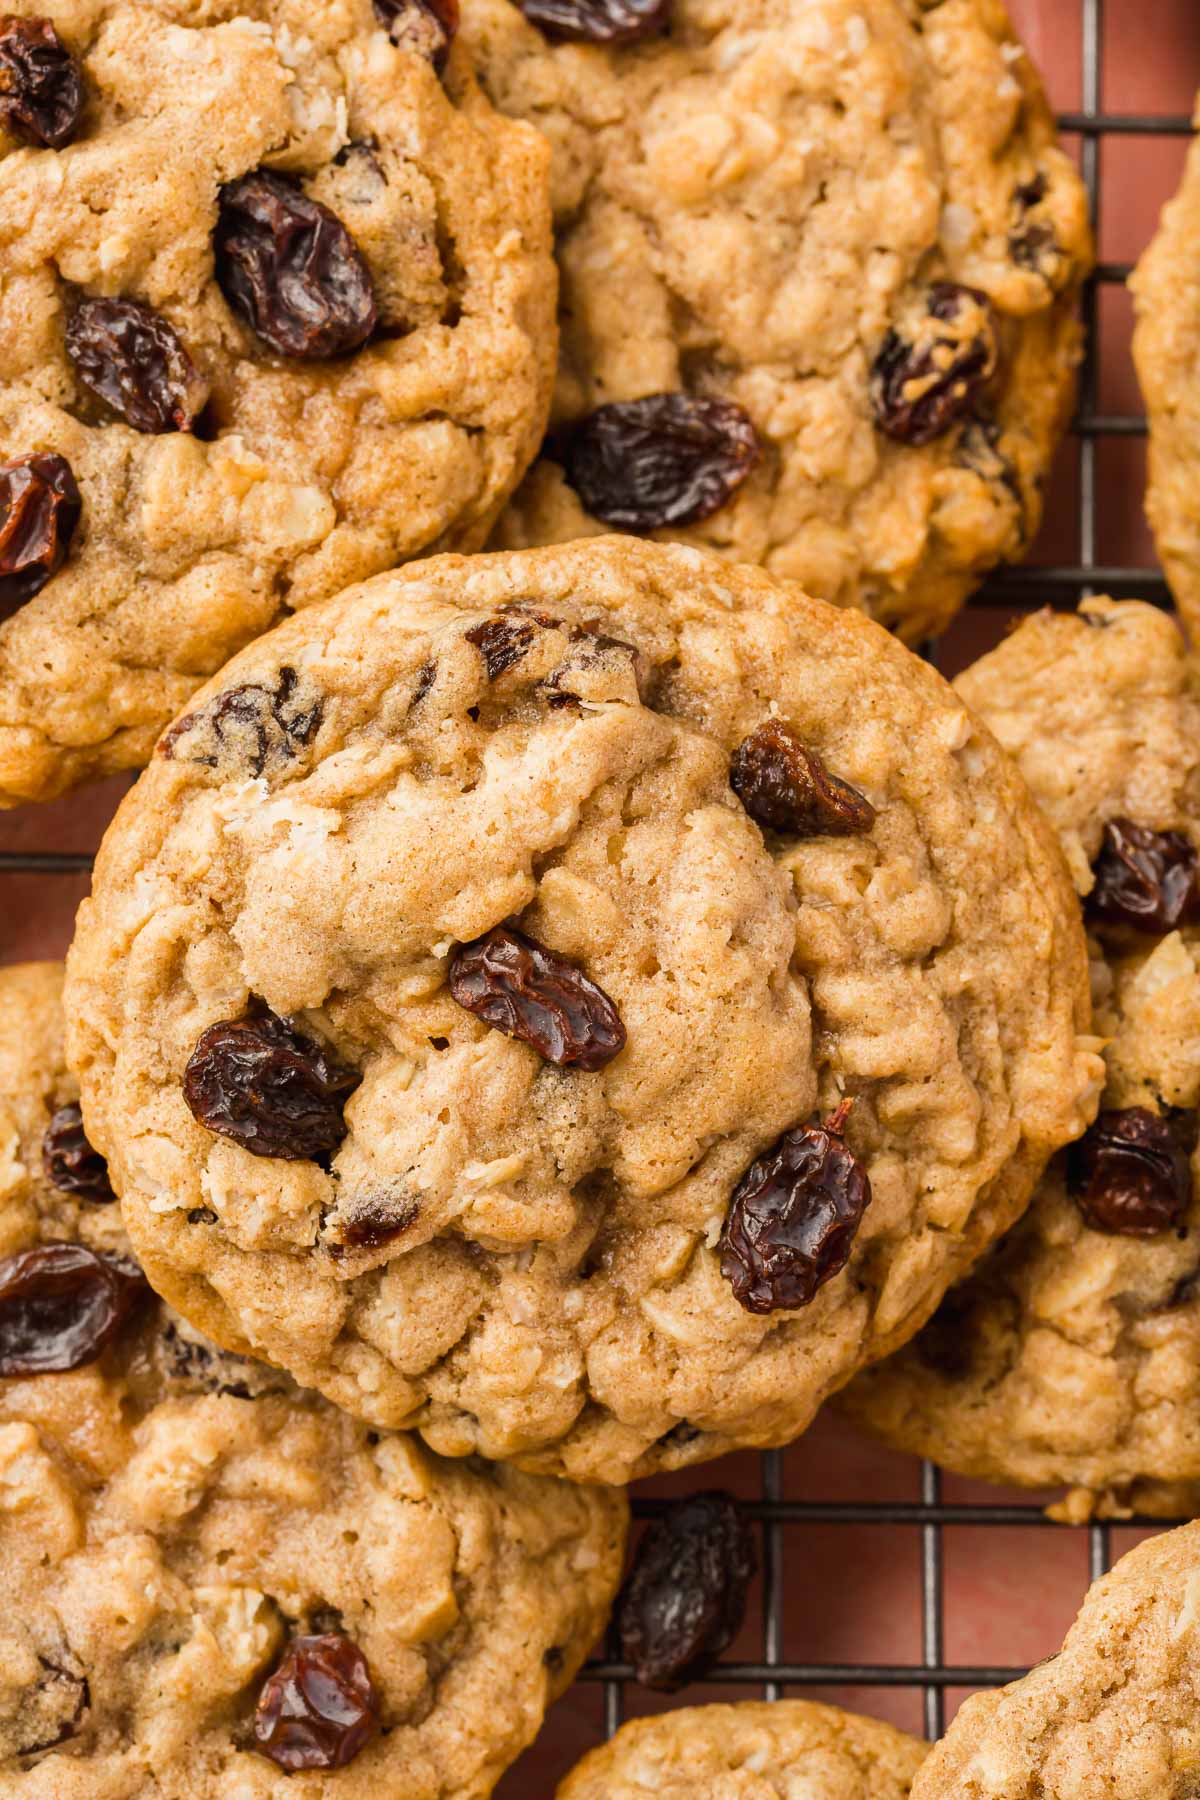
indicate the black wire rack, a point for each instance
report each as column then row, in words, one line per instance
column 1010, row 591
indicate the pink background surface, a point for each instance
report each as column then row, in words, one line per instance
column 853, row 1592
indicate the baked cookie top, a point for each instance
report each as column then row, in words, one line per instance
column 275, row 313
column 848, row 224
column 1114, row 1716
column 215, row 1584
column 753, row 1751
column 1073, row 1353
column 455, row 867
column 1166, row 344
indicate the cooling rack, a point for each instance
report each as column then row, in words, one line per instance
column 780, row 1518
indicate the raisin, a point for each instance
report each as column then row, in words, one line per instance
column 515, row 984
column 61, row 1304
column 784, row 784
column 130, row 357
column 598, row 21
column 1033, row 243
column 1147, row 879
column 56, row 1704
column 685, row 1597
column 925, row 382
column 41, row 88
column 70, row 1163
column 426, row 676
column 502, row 641
column 667, row 460
column 793, row 1216
column 260, row 1082
column 39, row 510
column 427, row 27
column 371, row 1223
column 1130, row 1174
column 291, row 270
column 250, row 726
column 319, row 1707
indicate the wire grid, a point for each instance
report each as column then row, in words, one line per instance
column 1016, row 589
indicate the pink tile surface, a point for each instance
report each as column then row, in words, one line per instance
column 852, row 1593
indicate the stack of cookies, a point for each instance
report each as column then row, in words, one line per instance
column 571, row 989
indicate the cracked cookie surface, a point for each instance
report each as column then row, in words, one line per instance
column 173, row 1517
column 753, row 1751
column 1114, row 1716
column 1073, row 1353
column 765, row 204
column 1166, row 343
column 515, row 770
column 298, row 475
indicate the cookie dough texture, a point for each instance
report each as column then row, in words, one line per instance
column 1073, row 1355
column 1114, row 1716
column 34, row 1083
column 548, row 1287
column 747, row 207
column 1166, row 345
column 310, row 475
column 754, row 1751
column 170, row 1515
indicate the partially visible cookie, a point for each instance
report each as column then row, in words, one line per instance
column 189, row 1546
column 581, row 1003
column 839, row 236
column 1073, row 1353
column 754, row 1751
column 276, row 312
column 1114, row 1716
column 1166, row 349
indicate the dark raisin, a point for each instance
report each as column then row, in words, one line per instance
column 39, row 510
column 201, row 1215
column 667, row 460
column 784, row 784
column 1147, row 879
column 514, row 983
column 685, row 1598
column 426, row 676
column 1130, row 1173
column 54, row 1708
column 249, row 726
column 372, row 1223
column 792, row 1218
column 288, row 266
column 554, row 1660
column 1033, row 243
column 502, row 641
column 61, row 1304
column 926, row 381
column 598, row 21
column 69, row 1162
column 128, row 355
column 319, row 1708
column 41, row 88
column 260, row 1082
column 427, row 27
